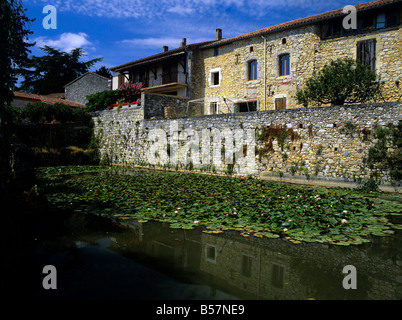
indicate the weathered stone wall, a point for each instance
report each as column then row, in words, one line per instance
column 154, row 105
column 90, row 83
column 328, row 143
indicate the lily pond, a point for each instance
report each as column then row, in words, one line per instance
column 147, row 234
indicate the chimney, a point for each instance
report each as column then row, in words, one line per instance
column 165, row 49
column 183, row 42
column 218, row 34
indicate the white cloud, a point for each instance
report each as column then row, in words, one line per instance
column 153, row 43
column 66, row 42
column 151, row 9
column 179, row 9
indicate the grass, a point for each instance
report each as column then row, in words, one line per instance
column 254, row 207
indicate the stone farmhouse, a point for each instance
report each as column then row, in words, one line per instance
column 84, row 85
column 262, row 70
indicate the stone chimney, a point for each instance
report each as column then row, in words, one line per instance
column 165, row 49
column 183, row 42
column 218, row 34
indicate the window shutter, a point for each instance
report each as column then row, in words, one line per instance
column 280, row 103
column 366, row 52
column 371, row 53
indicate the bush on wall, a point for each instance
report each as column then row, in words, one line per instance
column 128, row 92
column 39, row 113
column 342, row 81
column 100, row 100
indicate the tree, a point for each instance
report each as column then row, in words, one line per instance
column 14, row 48
column 14, row 51
column 342, row 81
column 385, row 155
column 105, row 72
column 51, row 72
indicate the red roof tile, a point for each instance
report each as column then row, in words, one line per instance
column 46, row 99
column 299, row 22
column 158, row 57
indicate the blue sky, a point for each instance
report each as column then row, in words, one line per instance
column 120, row 31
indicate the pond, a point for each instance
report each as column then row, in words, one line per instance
column 101, row 251
column 99, row 259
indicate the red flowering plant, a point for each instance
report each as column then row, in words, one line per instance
column 130, row 91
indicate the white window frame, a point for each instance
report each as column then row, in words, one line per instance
column 281, row 95
column 216, row 109
column 207, row 246
column 211, row 77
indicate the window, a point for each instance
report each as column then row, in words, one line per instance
column 284, row 65
column 246, row 106
column 380, row 21
column 216, row 51
column 277, row 276
column 280, row 103
column 215, row 80
column 120, row 80
column 246, row 266
column 366, row 52
column 210, row 253
column 213, row 108
column 214, row 77
column 252, row 70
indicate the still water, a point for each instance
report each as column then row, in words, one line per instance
column 104, row 259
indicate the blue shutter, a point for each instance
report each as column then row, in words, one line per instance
column 284, row 65
column 252, row 70
column 255, row 69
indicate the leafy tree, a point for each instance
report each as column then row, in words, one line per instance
column 105, row 72
column 385, row 155
column 14, row 51
column 51, row 72
column 342, row 81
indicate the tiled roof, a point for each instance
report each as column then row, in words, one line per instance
column 45, row 99
column 300, row 22
column 83, row 75
column 159, row 56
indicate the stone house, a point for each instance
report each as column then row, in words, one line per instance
column 262, row 70
column 169, row 72
column 86, row 84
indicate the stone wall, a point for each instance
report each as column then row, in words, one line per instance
column 154, row 106
column 322, row 143
column 90, row 83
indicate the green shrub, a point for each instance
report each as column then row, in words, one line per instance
column 100, row 100
column 386, row 155
column 35, row 112
column 39, row 113
column 341, row 81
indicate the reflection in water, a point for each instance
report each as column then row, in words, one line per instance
column 152, row 261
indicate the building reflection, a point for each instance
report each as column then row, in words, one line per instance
column 260, row 268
